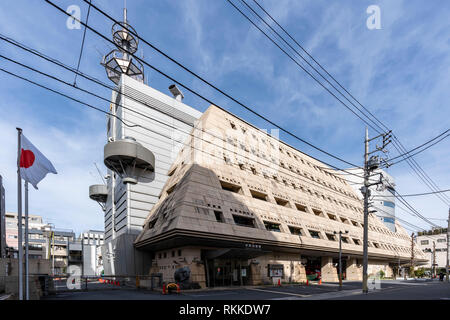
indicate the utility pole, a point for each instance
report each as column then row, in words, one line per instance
column 433, row 270
column 448, row 246
column 366, row 211
column 412, row 255
column 370, row 164
column 340, row 257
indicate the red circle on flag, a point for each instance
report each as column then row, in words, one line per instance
column 26, row 158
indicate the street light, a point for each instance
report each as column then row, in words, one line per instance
column 340, row 256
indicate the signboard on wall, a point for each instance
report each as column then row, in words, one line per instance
column 275, row 270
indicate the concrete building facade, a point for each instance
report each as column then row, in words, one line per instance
column 427, row 242
column 242, row 207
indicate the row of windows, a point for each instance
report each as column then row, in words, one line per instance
column 163, row 255
column 291, row 154
column 276, row 227
column 285, row 203
column 294, row 170
column 425, row 242
column 263, row 196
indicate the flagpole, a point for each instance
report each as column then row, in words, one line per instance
column 19, row 217
column 27, row 288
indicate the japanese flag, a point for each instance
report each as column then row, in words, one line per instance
column 33, row 165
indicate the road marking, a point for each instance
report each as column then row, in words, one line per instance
column 210, row 294
column 279, row 292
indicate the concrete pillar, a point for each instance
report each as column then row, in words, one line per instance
column 329, row 271
column 354, row 272
column 255, row 277
column 299, row 273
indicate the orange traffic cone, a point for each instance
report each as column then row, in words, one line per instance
column 320, row 281
column 164, row 288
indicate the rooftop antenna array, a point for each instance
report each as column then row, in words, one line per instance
column 119, row 61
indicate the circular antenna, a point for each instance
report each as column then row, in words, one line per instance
column 129, row 159
column 98, row 192
column 123, row 38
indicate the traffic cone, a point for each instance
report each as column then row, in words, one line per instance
column 164, row 288
column 320, row 281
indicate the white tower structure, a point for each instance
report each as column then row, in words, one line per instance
column 145, row 131
column 382, row 196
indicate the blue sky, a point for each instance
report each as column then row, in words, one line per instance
column 400, row 72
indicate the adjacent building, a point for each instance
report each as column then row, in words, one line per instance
column 91, row 244
column 434, row 245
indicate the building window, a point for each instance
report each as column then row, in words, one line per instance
column 296, row 231
column 300, row 207
column 282, row 202
column 159, row 255
column 258, row 195
column 332, row 216
column 219, row 216
column 173, row 254
column 318, row 213
column 179, row 252
column 357, row 241
column 345, row 240
column 165, row 255
column 314, row 234
column 424, row 242
column 331, row 237
column 389, row 204
column 244, row 221
column 231, row 187
column 441, row 240
column 270, row 226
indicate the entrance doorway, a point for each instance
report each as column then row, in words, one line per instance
column 227, row 272
column 313, row 268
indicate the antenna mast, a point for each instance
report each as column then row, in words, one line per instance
column 120, row 61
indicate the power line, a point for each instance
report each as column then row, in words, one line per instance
column 179, row 82
column 90, row 78
column 132, row 124
column 81, row 102
column 272, row 30
column 411, row 155
column 195, row 75
column 82, row 43
column 423, row 144
column 411, row 162
column 128, row 123
column 416, row 194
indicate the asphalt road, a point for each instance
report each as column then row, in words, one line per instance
column 391, row 290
